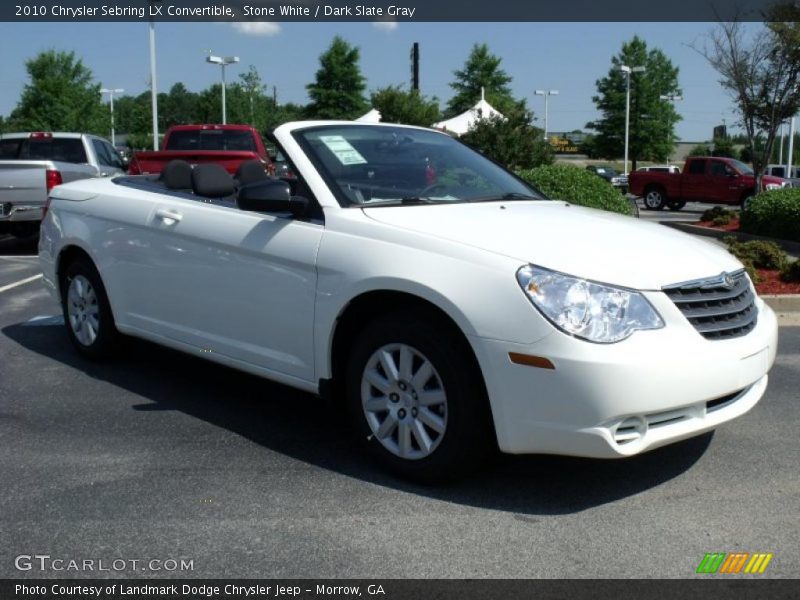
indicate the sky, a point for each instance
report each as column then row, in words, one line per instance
column 568, row 57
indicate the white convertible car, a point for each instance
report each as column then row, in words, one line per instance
column 449, row 306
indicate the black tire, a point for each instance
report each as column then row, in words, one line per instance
column 676, row 205
column 106, row 339
column 655, row 198
column 467, row 439
column 746, row 199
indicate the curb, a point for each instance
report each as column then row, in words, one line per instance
column 783, row 303
column 787, row 246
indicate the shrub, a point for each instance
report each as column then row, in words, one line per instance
column 578, row 186
column 713, row 213
column 758, row 253
column 774, row 214
column 791, row 272
column 721, row 220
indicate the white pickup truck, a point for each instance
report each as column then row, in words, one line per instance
column 31, row 164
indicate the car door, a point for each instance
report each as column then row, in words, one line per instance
column 108, row 161
column 234, row 283
column 694, row 180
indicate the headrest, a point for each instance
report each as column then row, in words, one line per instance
column 212, row 181
column 177, row 175
column 251, row 171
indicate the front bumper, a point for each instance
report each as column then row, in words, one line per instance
column 617, row 400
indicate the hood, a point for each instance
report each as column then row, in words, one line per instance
column 588, row 243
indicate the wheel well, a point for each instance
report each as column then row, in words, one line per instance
column 655, row 186
column 66, row 257
column 370, row 305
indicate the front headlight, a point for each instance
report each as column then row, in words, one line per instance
column 588, row 310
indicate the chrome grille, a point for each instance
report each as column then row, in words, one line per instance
column 720, row 307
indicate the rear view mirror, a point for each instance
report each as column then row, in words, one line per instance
column 272, row 195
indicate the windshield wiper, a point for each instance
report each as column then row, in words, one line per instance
column 413, row 200
column 506, row 196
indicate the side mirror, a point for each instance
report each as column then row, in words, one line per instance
column 272, row 195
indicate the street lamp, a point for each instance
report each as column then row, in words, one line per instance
column 153, row 86
column 670, row 98
column 111, row 93
column 222, row 62
column 546, row 94
column 628, row 70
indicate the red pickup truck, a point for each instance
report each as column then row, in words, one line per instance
column 710, row 179
column 227, row 145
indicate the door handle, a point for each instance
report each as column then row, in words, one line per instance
column 168, row 216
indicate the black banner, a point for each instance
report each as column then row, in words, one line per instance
column 732, row 588
column 402, row 11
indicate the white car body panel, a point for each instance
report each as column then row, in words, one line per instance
column 263, row 293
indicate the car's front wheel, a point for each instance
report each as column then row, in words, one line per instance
column 417, row 399
column 87, row 313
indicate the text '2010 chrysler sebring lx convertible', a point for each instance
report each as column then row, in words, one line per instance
column 450, row 306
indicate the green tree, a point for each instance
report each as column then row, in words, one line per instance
column 397, row 105
column 724, row 147
column 761, row 73
column 652, row 120
column 283, row 113
column 338, row 91
column 61, row 95
column 700, row 150
column 512, row 141
column 178, row 107
column 259, row 103
column 482, row 70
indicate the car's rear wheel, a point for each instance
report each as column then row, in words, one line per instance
column 746, row 200
column 417, row 399
column 87, row 313
column 655, row 198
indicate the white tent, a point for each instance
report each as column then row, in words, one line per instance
column 373, row 116
column 460, row 124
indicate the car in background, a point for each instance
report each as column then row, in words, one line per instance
column 712, row 179
column 442, row 302
column 660, row 169
column 32, row 163
column 793, row 174
column 611, row 175
column 226, row 145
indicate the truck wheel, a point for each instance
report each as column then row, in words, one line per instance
column 675, row 204
column 654, row 199
column 747, row 199
column 87, row 312
column 416, row 400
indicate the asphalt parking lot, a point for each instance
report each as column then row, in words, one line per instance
column 158, row 455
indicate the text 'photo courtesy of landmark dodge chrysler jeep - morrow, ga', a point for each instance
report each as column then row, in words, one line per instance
column 447, row 304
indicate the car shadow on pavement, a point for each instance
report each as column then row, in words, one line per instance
column 22, row 246
column 303, row 427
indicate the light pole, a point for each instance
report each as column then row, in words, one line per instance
column 111, row 93
column 628, row 70
column 222, row 62
column 670, row 98
column 546, row 94
column 153, row 85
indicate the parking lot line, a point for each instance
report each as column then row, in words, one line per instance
column 11, row 286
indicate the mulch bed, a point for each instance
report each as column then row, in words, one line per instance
column 770, row 283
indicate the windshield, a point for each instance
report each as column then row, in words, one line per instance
column 368, row 165
column 741, row 167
